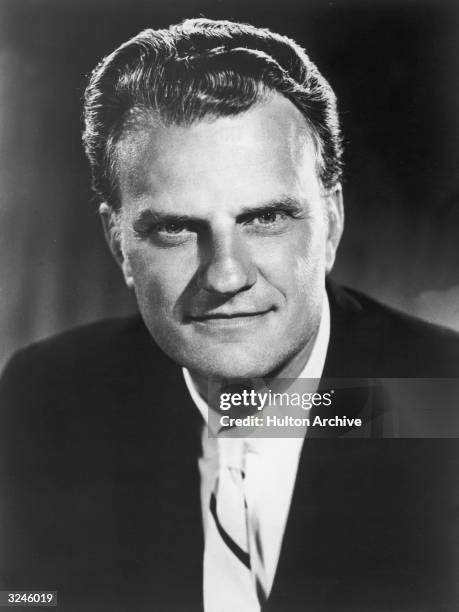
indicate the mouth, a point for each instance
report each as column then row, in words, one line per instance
column 230, row 315
column 228, row 318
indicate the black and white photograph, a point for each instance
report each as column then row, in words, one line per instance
column 229, row 314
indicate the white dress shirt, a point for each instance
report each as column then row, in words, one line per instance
column 270, row 470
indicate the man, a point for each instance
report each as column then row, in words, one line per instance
column 215, row 151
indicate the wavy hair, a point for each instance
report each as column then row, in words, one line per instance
column 202, row 68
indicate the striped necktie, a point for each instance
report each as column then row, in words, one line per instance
column 229, row 584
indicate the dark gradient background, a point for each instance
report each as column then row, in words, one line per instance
column 394, row 66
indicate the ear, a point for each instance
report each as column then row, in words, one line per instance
column 112, row 232
column 335, row 224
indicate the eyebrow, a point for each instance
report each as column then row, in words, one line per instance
column 285, row 204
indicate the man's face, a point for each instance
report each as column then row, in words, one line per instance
column 225, row 235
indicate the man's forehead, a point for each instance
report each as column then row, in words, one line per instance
column 272, row 133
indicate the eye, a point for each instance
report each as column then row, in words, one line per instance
column 173, row 233
column 270, row 217
column 166, row 233
column 173, row 228
column 268, row 221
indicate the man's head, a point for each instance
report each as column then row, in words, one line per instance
column 215, row 151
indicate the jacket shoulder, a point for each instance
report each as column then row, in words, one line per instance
column 103, row 350
column 74, row 345
column 391, row 343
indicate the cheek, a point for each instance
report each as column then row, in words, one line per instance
column 309, row 263
column 295, row 265
column 159, row 278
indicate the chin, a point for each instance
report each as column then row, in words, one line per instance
column 232, row 365
column 224, row 360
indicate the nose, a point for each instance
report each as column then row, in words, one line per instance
column 226, row 264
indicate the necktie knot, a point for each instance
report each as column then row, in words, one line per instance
column 232, row 453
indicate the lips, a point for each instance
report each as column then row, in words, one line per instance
column 225, row 315
column 228, row 316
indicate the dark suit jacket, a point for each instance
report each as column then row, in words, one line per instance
column 100, row 484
